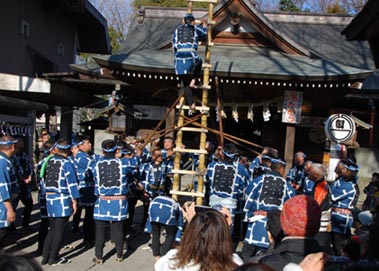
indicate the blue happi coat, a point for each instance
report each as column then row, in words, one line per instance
column 166, row 211
column 8, row 187
column 83, row 165
column 185, row 42
column 23, row 168
column 296, row 175
column 153, row 179
column 61, row 186
column 144, row 159
column 110, row 176
column 257, row 168
column 266, row 192
column 227, row 183
column 344, row 195
column 41, row 191
column 168, row 162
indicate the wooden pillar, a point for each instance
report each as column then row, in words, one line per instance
column 178, row 155
column 31, row 139
column 66, row 123
column 290, row 146
column 170, row 122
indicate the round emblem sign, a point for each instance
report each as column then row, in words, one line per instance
column 339, row 128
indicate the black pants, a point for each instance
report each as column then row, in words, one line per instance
column 54, row 239
column 325, row 241
column 117, row 233
column 76, row 218
column 186, row 80
column 146, row 204
column 3, row 232
column 339, row 240
column 42, row 233
column 249, row 251
column 132, row 202
column 158, row 248
column 88, row 224
column 28, row 207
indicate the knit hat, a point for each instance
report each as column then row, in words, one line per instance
column 301, row 216
column 365, row 218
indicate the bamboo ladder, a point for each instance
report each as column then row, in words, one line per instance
column 200, row 173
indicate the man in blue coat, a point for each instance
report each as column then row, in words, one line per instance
column 266, row 192
column 227, row 180
column 61, row 188
column 344, row 193
column 185, row 42
column 83, row 164
column 111, row 207
column 8, row 184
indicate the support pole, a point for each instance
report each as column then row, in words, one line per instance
column 290, row 146
column 220, row 125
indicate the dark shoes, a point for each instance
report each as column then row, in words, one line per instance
column 56, row 262
column 98, row 261
column 60, row 262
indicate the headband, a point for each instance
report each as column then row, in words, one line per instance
column 126, row 152
column 277, row 161
column 352, row 167
column 229, row 154
column 9, row 142
column 52, row 148
column 111, row 149
column 81, row 142
column 65, row 147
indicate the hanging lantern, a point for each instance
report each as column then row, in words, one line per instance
column 235, row 112
column 250, row 113
column 266, row 113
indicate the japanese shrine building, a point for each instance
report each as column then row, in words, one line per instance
column 257, row 57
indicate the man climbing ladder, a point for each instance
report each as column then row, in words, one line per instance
column 204, row 108
column 185, row 43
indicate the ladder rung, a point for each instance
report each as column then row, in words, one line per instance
column 193, row 129
column 188, row 172
column 209, row 22
column 185, row 193
column 204, row 1
column 200, row 108
column 208, row 87
column 207, row 65
column 190, row 150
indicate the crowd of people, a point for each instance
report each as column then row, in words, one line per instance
column 254, row 215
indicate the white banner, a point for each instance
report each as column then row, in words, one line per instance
column 292, row 103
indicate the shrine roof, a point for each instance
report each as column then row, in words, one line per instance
column 240, row 62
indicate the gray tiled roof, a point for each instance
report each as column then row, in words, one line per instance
column 323, row 39
column 327, row 42
column 241, row 61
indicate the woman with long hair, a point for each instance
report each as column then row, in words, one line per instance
column 205, row 246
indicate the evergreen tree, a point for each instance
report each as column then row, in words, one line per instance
column 288, row 5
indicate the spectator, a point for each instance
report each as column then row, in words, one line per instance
column 362, row 230
column 18, row 263
column 206, row 246
column 300, row 221
column 372, row 193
